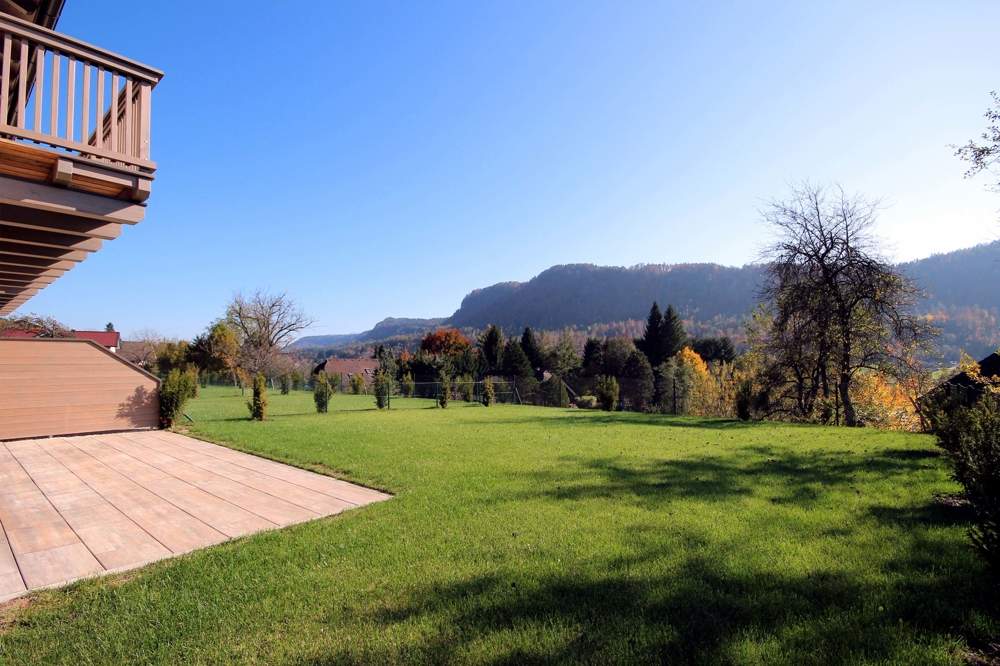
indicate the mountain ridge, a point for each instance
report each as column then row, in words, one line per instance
column 960, row 288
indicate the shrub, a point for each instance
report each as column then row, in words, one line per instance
column 175, row 391
column 357, row 384
column 285, row 382
column 409, row 386
column 258, row 405
column 383, row 388
column 554, row 392
column 606, row 392
column 971, row 436
column 192, row 381
column 445, row 393
column 322, row 392
column 336, row 379
column 744, row 400
column 465, row 387
column 587, row 402
column 489, row 393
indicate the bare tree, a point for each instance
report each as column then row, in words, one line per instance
column 985, row 156
column 142, row 348
column 265, row 324
column 830, row 288
column 41, row 326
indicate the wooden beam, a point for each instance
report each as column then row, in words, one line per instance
column 35, row 238
column 43, row 220
column 15, row 278
column 47, row 197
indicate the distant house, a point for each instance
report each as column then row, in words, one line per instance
column 110, row 340
column 967, row 388
column 348, row 367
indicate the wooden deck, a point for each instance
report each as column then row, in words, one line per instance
column 76, row 507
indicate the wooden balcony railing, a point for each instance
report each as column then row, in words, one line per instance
column 75, row 97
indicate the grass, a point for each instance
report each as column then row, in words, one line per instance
column 522, row 534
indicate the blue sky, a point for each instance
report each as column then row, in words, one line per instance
column 382, row 159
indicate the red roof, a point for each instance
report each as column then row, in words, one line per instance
column 103, row 338
column 18, row 333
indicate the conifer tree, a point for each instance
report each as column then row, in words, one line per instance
column 672, row 335
column 651, row 342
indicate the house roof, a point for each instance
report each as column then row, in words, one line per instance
column 347, row 366
column 104, row 338
column 988, row 367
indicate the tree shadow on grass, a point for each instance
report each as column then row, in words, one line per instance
column 780, row 474
column 702, row 612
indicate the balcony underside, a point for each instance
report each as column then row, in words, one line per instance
column 47, row 228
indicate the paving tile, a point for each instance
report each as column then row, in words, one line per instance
column 77, row 506
column 10, row 577
column 58, row 565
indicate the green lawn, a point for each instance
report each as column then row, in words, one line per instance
column 523, row 534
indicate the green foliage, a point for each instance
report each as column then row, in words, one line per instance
column 587, row 402
column 674, row 386
column 357, row 384
column 714, row 349
column 444, row 392
column 466, row 387
column 515, row 361
column 672, row 335
column 175, row 390
column 382, row 385
column 744, row 399
column 616, row 353
column 532, row 349
column 258, row 404
column 593, row 358
column 322, row 392
column 638, row 384
column 971, row 436
column 606, row 391
column 562, row 359
column 553, row 392
column 408, row 385
column 285, row 382
column 651, row 342
column 489, row 396
column 491, row 346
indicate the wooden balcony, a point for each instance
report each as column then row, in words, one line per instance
column 74, row 152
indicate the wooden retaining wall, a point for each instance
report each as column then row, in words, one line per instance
column 64, row 387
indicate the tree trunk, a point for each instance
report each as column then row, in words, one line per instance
column 844, row 388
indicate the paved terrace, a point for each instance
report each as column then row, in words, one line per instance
column 74, row 507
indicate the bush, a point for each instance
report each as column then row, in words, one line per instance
column 606, row 391
column 445, row 394
column 175, row 391
column 357, row 384
column 383, row 388
column 192, row 381
column 971, row 436
column 587, row 402
column 285, row 382
column 322, row 392
column 258, row 405
column 554, row 393
column 489, row 396
column 744, row 400
column 409, row 386
column 466, row 387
